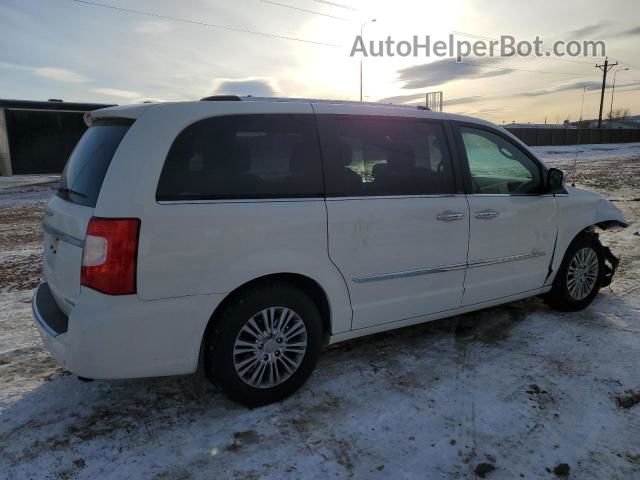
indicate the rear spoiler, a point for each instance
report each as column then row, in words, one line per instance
column 127, row 112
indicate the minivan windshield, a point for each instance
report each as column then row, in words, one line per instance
column 87, row 166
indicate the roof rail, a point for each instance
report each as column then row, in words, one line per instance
column 221, row 98
column 422, row 107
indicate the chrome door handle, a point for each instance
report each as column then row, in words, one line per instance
column 450, row 216
column 486, row 214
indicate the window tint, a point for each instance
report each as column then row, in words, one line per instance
column 498, row 166
column 244, row 156
column 87, row 166
column 384, row 156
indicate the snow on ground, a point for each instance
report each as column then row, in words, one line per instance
column 519, row 388
column 565, row 153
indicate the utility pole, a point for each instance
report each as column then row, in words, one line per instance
column 605, row 68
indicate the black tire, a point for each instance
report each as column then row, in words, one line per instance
column 560, row 296
column 221, row 338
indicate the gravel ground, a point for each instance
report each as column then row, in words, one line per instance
column 517, row 391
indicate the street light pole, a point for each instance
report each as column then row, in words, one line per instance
column 613, row 90
column 361, row 30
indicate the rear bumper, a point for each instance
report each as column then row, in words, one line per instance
column 123, row 336
column 47, row 313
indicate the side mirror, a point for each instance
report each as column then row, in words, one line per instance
column 555, row 181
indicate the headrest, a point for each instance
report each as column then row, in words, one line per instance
column 400, row 158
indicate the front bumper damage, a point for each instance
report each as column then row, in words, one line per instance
column 611, row 263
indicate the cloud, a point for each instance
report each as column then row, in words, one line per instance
column 491, row 111
column 560, row 88
column 589, row 30
column 250, row 86
column 447, row 70
column 463, row 100
column 629, row 33
column 153, row 26
column 59, row 74
column 114, row 92
column 13, row 66
column 628, row 86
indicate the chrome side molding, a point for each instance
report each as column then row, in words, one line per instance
column 410, row 273
column 448, row 268
column 512, row 258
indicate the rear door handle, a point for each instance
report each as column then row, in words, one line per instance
column 486, row 214
column 450, row 216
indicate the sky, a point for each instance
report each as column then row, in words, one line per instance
column 76, row 51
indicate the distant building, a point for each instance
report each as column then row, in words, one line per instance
column 38, row 137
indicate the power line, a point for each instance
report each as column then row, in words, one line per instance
column 204, row 24
column 339, row 5
column 307, row 11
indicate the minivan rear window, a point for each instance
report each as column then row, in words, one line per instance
column 87, row 166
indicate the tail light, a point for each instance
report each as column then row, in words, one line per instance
column 109, row 257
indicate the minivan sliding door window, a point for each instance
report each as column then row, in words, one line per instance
column 244, row 157
column 383, row 156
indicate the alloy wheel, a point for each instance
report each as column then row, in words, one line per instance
column 270, row 347
column 583, row 273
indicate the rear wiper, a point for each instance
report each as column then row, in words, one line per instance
column 69, row 190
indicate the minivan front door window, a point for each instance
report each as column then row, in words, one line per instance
column 497, row 166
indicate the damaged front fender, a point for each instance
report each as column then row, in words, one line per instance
column 611, row 263
column 581, row 210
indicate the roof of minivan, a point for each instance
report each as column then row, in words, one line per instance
column 136, row 110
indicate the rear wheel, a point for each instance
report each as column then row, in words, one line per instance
column 265, row 344
column 580, row 275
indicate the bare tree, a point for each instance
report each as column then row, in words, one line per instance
column 619, row 114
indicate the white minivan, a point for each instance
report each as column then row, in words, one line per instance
column 243, row 234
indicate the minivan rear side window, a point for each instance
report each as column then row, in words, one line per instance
column 82, row 177
column 244, row 156
column 372, row 156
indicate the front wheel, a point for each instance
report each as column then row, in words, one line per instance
column 264, row 344
column 580, row 276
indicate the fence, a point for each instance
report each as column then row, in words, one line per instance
column 569, row 136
